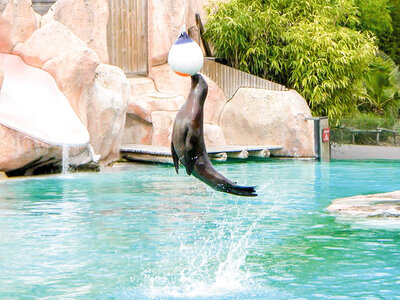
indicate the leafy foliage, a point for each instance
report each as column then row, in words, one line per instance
column 326, row 63
column 389, row 41
column 375, row 16
column 382, row 84
column 238, row 34
column 309, row 45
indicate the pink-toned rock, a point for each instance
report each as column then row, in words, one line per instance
column 74, row 73
column 87, row 19
column 213, row 135
column 143, row 106
column 1, row 74
column 137, row 131
column 18, row 151
column 167, row 81
column 47, row 43
column 215, row 102
column 263, row 117
column 163, row 122
column 165, row 21
column 141, row 86
column 17, row 23
column 385, row 206
column 106, row 108
column 162, row 127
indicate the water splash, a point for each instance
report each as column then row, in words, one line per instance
column 211, row 267
column 65, row 159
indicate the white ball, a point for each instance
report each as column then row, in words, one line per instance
column 185, row 57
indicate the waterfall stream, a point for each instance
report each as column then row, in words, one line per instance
column 65, row 159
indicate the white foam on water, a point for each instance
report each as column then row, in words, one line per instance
column 199, row 279
column 381, row 223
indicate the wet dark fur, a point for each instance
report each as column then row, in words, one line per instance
column 188, row 147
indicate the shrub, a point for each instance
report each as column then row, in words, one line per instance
column 308, row 45
column 382, row 84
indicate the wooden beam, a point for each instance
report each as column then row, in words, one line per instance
column 199, row 24
column 260, row 153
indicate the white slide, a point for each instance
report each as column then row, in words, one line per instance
column 31, row 103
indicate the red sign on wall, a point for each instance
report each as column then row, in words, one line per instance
column 325, row 135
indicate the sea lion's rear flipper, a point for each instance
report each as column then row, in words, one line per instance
column 175, row 158
column 239, row 190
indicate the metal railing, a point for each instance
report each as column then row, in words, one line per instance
column 230, row 79
column 42, row 6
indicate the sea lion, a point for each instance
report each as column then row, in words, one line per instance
column 188, row 146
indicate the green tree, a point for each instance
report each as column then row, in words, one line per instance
column 382, row 84
column 375, row 16
column 389, row 41
column 308, row 45
column 325, row 64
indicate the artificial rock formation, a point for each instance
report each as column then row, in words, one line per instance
column 151, row 111
column 263, row 117
column 70, row 46
column 59, row 40
column 165, row 21
column 1, row 74
column 384, row 205
column 19, row 151
column 86, row 19
column 74, row 73
column 106, row 111
column 17, row 22
column 167, row 81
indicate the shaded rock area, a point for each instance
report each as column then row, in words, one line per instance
column 263, row 117
column 376, row 205
column 19, row 151
column 70, row 44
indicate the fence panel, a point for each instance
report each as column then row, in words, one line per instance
column 127, row 35
column 230, row 79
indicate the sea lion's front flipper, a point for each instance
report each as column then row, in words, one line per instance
column 175, row 158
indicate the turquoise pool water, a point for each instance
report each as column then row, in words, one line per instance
column 140, row 231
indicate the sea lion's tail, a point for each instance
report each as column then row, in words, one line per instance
column 240, row 190
column 204, row 171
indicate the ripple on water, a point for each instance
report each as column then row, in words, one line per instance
column 143, row 231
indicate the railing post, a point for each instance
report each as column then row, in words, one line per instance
column 321, row 137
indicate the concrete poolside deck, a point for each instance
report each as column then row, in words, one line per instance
column 347, row 151
column 159, row 154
